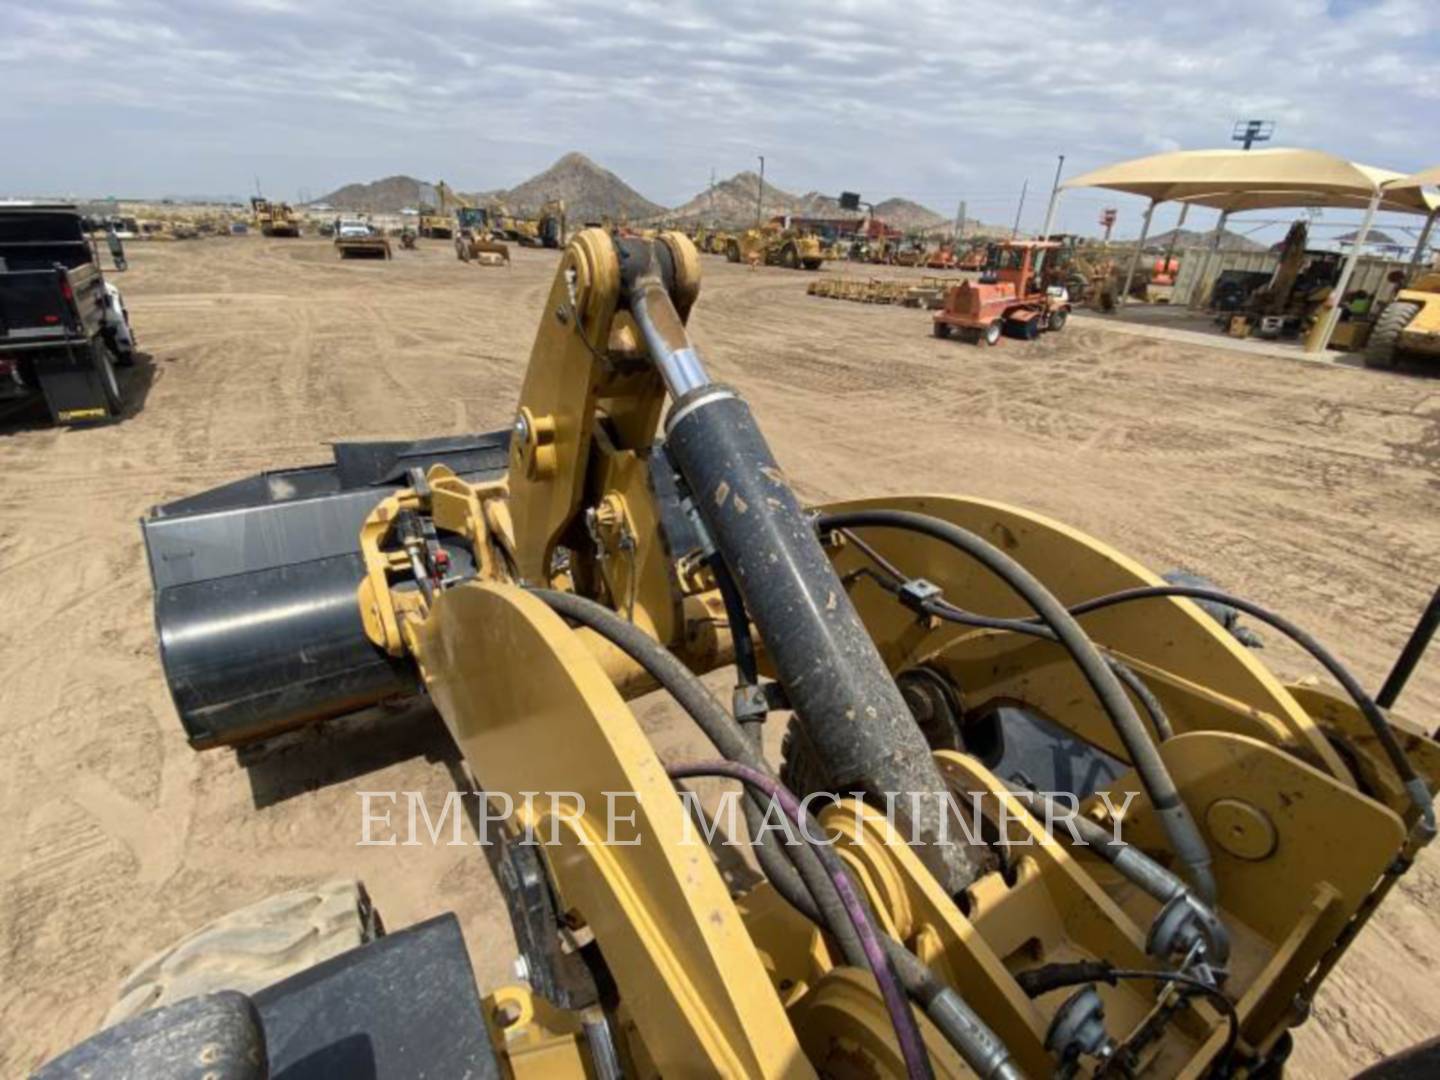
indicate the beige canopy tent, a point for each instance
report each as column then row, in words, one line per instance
column 1412, row 187
column 1234, row 180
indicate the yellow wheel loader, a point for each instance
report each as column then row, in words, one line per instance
column 1040, row 811
column 1409, row 326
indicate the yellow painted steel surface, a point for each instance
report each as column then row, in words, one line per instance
column 659, row 909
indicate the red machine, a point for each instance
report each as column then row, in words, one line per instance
column 1007, row 298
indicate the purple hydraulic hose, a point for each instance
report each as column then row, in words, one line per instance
column 907, row 1034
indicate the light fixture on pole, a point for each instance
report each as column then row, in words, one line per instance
column 1249, row 132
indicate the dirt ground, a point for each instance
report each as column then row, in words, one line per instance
column 1313, row 489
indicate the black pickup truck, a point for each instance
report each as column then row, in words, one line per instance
column 63, row 327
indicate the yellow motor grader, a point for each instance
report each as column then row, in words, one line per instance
column 957, row 677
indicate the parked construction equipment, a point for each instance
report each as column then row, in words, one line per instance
column 274, row 218
column 776, row 246
column 475, row 239
column 551, row 224
column 435, row 224
column 1409, row 325
column 929, row 292
column 356, row 239
column 1007, row 298
column 475, row 230
column 531, row 581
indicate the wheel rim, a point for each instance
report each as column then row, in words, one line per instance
column 992, row 334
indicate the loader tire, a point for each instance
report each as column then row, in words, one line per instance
column 253, row 948
column 732, row 252
column 1382, row 350
column 789, row 257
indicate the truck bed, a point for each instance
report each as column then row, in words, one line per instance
column 36, row 307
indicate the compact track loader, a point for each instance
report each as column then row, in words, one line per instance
column 956, row 671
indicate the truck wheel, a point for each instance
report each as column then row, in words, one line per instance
column 1382, row 348
column 1057, row 320
column 940, row 329
column 253, row 948
column 992, row 333
column 100, row 357
column 732, row 252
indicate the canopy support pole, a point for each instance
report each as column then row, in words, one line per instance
column 1424, row 238
column 1135, row 258
column 1200, row 291
column 1175, row 235
column 1337, row 294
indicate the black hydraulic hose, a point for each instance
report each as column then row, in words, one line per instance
column 1052, row 977
column 907, row 1032
column 1184, row 835
column 1410, row 655
column 745, row 661
column 804, row 885
column 1221, row 1065
column 1415, row 787
column 941, row 609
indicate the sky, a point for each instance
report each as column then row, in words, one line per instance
column 933, row 100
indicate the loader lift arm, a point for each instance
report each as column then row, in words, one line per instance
column 532, row 597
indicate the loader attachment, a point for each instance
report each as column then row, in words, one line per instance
column 255, row 589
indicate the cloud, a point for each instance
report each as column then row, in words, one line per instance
column 156, row 96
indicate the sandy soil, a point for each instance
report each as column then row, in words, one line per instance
column 1312, row 489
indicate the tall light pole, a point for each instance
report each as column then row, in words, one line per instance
column 760, row 193
column 1020, row 209
column 1054, row 199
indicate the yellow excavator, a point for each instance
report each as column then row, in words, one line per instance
column 1039, row 812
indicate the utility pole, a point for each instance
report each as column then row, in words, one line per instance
column 1054, row 200
column 1020, row 209
column 760, row 193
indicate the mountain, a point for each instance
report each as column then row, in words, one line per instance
column 907, row 215
column 733, row 203
column 590, row 193
column 388, row 196
column 1190, row 238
